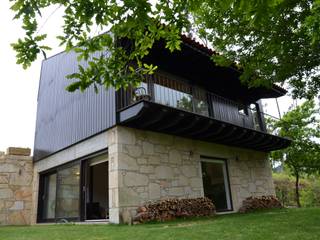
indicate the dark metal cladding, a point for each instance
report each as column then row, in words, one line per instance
column 65, row 118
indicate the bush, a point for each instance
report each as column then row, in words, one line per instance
column 258, row 203
column 310, row 194
column 285, row 189
column 169, row 209
column 309, row 190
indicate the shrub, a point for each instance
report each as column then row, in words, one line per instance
column 309, row 190
column 257, row 203
column 285, row 189
column 169, row 209
column 310, row 195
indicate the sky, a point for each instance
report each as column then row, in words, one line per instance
column 19, row 87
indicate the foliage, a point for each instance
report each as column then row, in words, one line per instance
column 309, row 189
column 270, row 40
column 303, row 155
column 310, row 194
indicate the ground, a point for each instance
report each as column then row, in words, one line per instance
column 293, row 224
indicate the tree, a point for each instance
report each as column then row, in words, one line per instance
column 268, row 41
column 303, row 155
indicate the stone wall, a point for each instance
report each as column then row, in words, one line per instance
column 145, row 166
column 15, row 187
column 150, row 166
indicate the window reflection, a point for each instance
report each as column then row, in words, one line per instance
column 68, row 192
column 181, row 95
column 172, row 97
column 50, row 182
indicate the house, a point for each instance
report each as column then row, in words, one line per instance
column 190, row 130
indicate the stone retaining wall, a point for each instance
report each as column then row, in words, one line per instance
column 15, row 187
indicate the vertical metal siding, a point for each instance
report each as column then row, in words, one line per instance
column 65, row 118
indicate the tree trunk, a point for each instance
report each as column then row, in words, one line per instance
column 297, row 191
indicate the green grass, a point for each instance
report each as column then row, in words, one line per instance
column 299, row 224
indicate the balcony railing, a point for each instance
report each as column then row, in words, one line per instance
column 173, row 92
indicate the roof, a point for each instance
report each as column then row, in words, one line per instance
column 208, row 51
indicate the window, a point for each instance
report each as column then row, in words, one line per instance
column 216, row 183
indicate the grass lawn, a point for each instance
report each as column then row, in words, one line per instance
column 290, row 224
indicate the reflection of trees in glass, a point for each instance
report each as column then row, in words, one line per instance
column 201, row 107
column 185, row 103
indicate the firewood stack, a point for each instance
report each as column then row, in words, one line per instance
column 256, row 203
column 169, row 209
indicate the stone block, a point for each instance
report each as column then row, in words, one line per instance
column 146, row 169
column 189, row 170
column 160, row 149
column 6, row 193
column 4, row 178
column 125, row 162
column 252, row 187
column 176, row 191
column 154, row 160
column 135, row 179
column 2, row 206
column 3, row 219
column 21, row 178
column 164, row 172
column 175, row 156
column 126, row 136
column 196, row 182
column 142, row 160
column 9, row 168
column 134, row 151
column 18, row 217
column 164, row 158
column 128, row 197
column 23, row 194
column 148, row 148
column 161, row 139
column 17, row 205
column 18, row 151
column 183, row 181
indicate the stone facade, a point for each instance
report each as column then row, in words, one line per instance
column 150, row 166
column 145, row 166
column 16, row 172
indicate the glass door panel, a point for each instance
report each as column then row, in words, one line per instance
column 215, row 183
column 49, row 200
column 68, row 192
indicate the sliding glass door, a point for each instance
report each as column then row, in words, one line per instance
column 59, row 194
column 216, row 183
column 68, row 193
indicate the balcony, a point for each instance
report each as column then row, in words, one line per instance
column 167, row 104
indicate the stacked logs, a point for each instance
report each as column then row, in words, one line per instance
column 257, row 203
column 169, row 209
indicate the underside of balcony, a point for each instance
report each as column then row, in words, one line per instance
column 156, row 117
